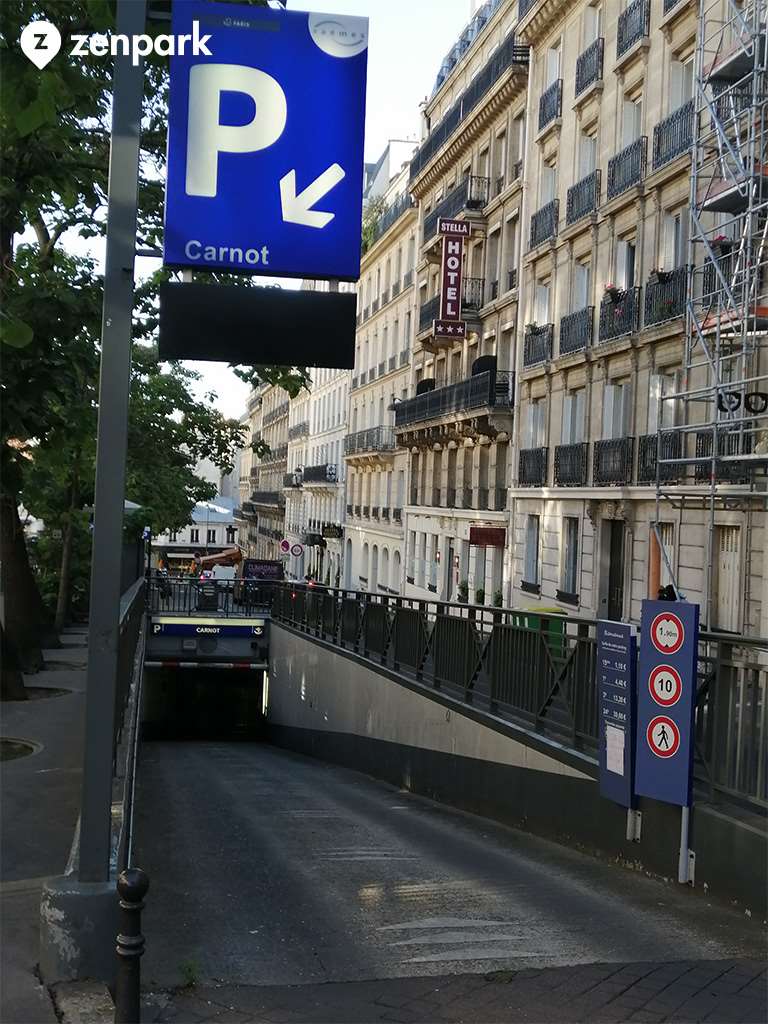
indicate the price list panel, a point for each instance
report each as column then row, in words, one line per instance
column 616, row 685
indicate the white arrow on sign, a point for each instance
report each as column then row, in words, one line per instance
column 297, row 209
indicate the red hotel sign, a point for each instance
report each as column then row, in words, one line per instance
column 488, row 536
column 450, row 323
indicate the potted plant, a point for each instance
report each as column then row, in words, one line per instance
column 658, row 276
column 463, row 591
column 613, row 292
column 498, row 599
column 530, row 327
column 480, row 596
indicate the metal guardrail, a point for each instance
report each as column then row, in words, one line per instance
column 222, row 598
column 539, row 671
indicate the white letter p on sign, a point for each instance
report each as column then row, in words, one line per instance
column 207, row 138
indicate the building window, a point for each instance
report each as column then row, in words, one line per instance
column 660, row 384
column 570, row 554
column 680, row 82
column 210, row 537
column 531, row 571
column 535, row 423
column 674, row 240
column 593, row 24
column 548, row 187
column 231, row 534
column 632, row 119
column 573, row 417
column 543, row 291
column 173, row 536
column 616, row 411
column 626, row 259
column 194, row 536
column 582, row 286
column 587, row 154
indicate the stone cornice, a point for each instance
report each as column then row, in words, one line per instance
column 541, row 18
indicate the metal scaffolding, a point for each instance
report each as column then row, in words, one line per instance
column 712, row 430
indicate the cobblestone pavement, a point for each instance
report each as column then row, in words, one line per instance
column 721, row 991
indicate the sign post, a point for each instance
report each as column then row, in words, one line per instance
column 617, row 689
column 665, row 709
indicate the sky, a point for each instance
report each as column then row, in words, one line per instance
column 407, row 42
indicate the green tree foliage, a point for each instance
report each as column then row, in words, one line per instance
column 54, row 130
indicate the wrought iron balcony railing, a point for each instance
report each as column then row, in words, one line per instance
column 731, row 442
column 576, row 330
column 523, row 7
column 674, row 135
column 428, row 312
column 634, row 25
column 509, row 54
column 395, row 289
column 647, row 447
column 470, row 194
column 612, row 461
column 491, row 389
column 392, row 213
column 589, row 66
column 268, row 498
column 292, row 480
column 669, row 4
column 391, row 363
column 375, row 306
column 627, row 168
column 532, row 468
column 583, row 198
column 537, row 345
column 571, row 464
column 544, row 223
column 382, row 368
column 619, row 314
column 375, row 439
column 665, row 296
column 325, row 473
column 298, row 430
column 551, row 104
column 275, row 414
column 408, row 279
column 403, row 357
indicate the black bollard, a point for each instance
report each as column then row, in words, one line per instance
column 132, row 885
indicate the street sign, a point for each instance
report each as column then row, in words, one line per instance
column 297, row 550
column 265, row 142
column 616, row 683
column 666, row 700
column 285, row 546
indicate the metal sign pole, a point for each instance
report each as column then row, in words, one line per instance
column 114, row 387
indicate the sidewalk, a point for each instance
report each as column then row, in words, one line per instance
column 40, row 797
column 714, row 991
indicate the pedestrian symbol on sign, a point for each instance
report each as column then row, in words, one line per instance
column 663, row 736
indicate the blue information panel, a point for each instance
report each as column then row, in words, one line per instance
column 192, row 628
column 616, row 662
column 265, row 141
column 666, row 698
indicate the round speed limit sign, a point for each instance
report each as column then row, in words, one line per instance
column 665, row 685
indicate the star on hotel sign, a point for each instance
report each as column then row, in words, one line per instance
column 450, row 328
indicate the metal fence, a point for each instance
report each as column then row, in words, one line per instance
column 538, row 671
column 225, row 598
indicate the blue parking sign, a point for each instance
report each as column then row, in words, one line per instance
column 265, row 142
column 666, row 700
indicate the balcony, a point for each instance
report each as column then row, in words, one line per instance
column 634, row 25
column 271, row 498
column 397, row 515
column 511, row 279
column 731, row 443
column 275, row 414
column 589, row 66
column 571, row 464
column 385, row 515
column 324, row 474
column 349, row 510
column 403, row 357
column 619, row 314
column 576, row 331
column 647, row 447
column 473, row 289
column 358, row 511
column 670, row 5
column 537, row 346
column 674, row 135
column 470, row 194
column 292, row 480
column 665, row 296
column 544, row 223
column 375, row 306
column 391, row 214
column 391, row 364
column 551, row 104
column 627, row 168
column 375, row 439
column 508, row 55
column 612, row 461
column 298, row 430
column 374, row 511
column 385, row 297
column 532, row 470
column 493, row 389
column 583, row 198
column 366, row 511
column 407, row 279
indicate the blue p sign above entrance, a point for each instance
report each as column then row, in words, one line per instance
column 265, row 143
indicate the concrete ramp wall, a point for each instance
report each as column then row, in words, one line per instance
column 335, row 705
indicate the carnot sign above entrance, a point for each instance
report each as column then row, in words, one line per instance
column 265, row 143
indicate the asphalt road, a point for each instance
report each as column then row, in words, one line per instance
column 268, row 868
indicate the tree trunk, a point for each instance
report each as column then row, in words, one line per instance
column 11, row 680
column 27, row 623
column 62, row 598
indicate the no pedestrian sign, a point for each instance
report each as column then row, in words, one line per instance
column 666, row 700
column 265, row 142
